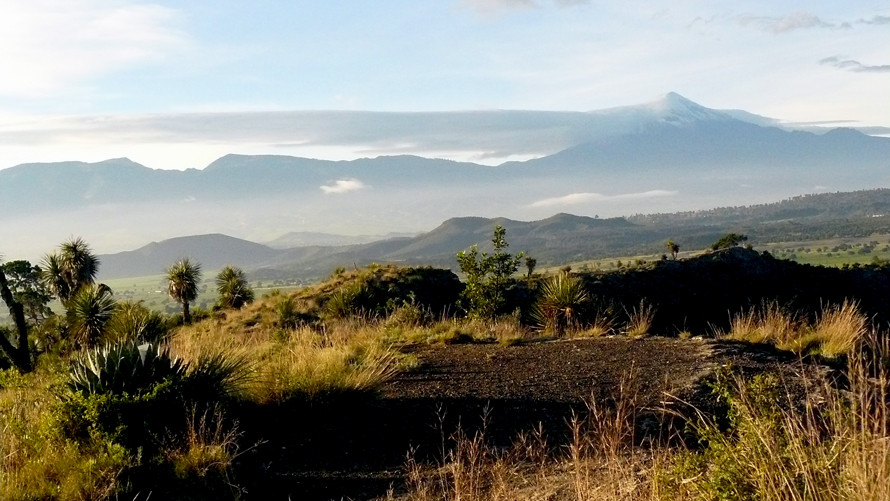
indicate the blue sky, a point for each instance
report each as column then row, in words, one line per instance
column 95, row 79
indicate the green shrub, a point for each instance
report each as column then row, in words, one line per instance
column 135, row 322
column 287, row 314
column 348, row 301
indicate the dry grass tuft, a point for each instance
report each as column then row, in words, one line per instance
column 640, row 320
column 836, row 332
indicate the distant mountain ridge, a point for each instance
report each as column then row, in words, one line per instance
column 555, row 240
column 666, row 156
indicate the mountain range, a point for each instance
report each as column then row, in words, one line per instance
column 556, row 240
column 666, row 156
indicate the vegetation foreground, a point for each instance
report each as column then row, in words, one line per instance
column 114, row 401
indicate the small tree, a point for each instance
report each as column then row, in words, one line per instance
column 28, row 289
column 487, row 276
column 20, row 355
column 530, row 264
column 233, row 289
column 182, row 284
column 729, row 240
column 673, row 249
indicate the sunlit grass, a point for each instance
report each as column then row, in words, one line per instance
column 835, row 332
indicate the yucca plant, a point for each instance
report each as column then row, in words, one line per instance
column 89, row 312
column 233, row 288
column 560, row 302
column 126, row 367
column 347, row 301
column 287, row 313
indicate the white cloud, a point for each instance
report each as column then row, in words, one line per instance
column 488, row 7
column 343, row 186
column 52, row 46
column 583, row 198
column 853, row 65
column 789, row 23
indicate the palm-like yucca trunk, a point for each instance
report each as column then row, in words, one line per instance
column 20, row 356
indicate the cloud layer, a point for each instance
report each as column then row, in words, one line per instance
column 341, row 186
column 584, row 198
column 853, row 65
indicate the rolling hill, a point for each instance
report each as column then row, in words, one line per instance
column 552, row 241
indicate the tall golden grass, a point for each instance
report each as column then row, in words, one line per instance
column 293, row 362
column 836, row 331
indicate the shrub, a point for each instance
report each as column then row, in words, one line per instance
column 135, row 322
column 729, row 240
column 287, row 314
column 348, row 301
column 487, row 276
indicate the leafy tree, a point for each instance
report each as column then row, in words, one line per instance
column 487, row 276
column 70, row 269
column 233, row 289
column 673, row 248
column 20, row 355
column 182, row 284
column 28, row 289
column 530, row 264
column 89, row 313
column 729, row 240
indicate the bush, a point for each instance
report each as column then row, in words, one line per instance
column 135, row 322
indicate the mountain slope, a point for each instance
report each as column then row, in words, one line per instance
column 211, row 251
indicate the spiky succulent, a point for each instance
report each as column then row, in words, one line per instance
column 126, row 367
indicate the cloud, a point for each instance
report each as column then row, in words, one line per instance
column 53, row 46
column 341, row 186
column 583, row 198
column 465, row 135
column 488, row 7
column 789, row 23
column 875, row 20
column 853, row 65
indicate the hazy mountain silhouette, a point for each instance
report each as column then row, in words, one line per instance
column 664, row 156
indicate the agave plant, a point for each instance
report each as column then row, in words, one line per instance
column 126, row 367
column 560, row 303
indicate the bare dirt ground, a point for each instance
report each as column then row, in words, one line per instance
column 354, row 447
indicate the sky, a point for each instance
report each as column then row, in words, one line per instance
column 176, row 84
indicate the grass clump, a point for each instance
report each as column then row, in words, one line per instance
column 639, row 321
column 835, row 332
